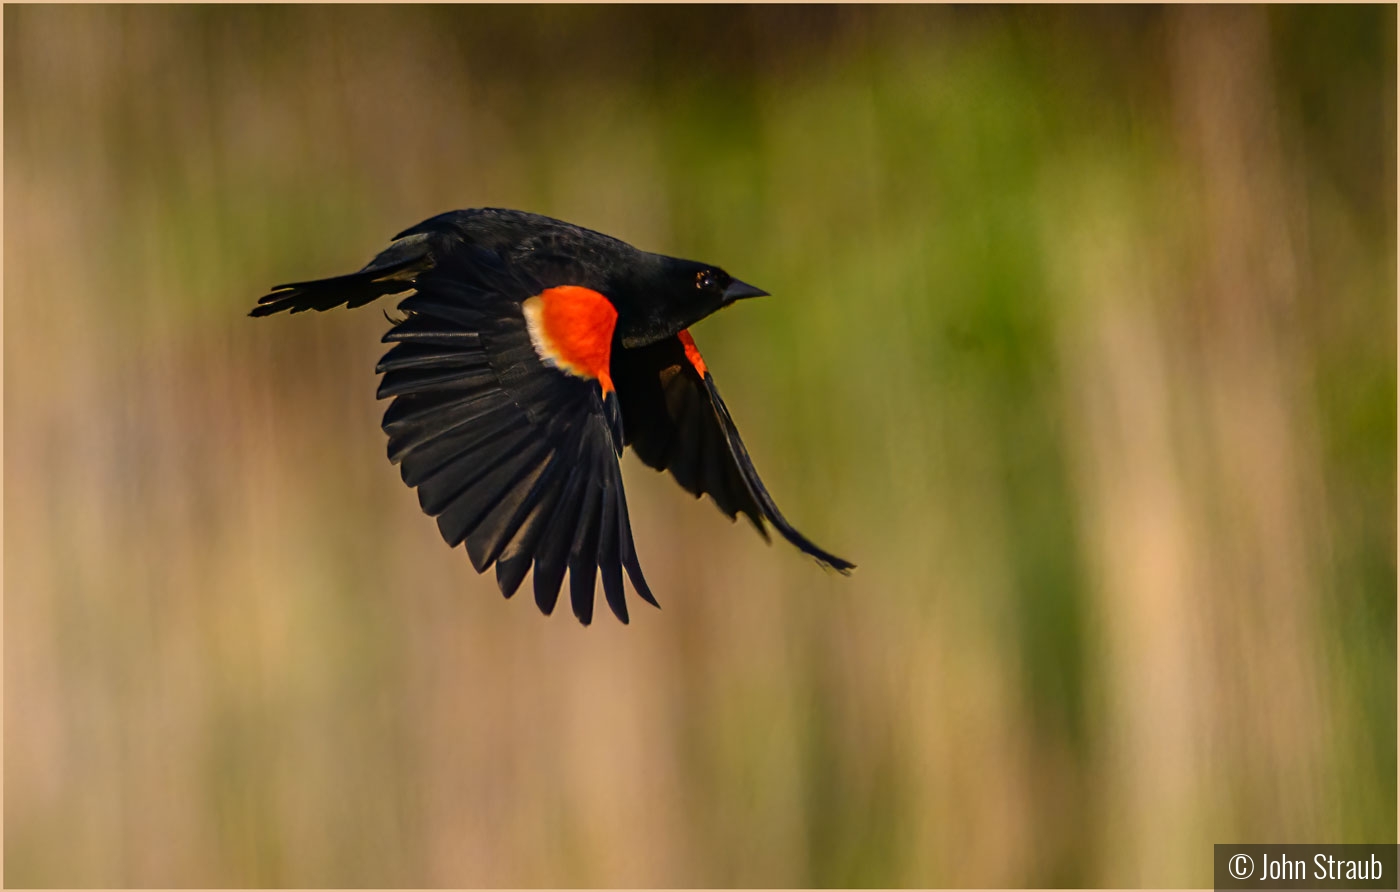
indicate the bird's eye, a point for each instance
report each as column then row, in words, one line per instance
column 705, row 280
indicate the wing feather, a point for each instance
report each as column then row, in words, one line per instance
column 674, row 419
column 495, row 530
column 517, row 556
column 516, row 459
column 583, row 556
column 609, row 552
column 551, row 560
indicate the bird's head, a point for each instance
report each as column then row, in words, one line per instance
column 674, row 294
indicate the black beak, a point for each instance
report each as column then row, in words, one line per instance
column 739, row 290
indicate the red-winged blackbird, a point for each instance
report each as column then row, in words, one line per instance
column 529, row 353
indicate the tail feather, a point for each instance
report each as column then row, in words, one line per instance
column 393, row 271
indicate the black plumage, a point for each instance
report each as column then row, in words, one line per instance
column 511, row 440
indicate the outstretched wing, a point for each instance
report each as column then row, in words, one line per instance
column 674, row 420
column 511, row 447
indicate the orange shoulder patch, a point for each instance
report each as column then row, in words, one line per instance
column 692, row 352
column 572, row 329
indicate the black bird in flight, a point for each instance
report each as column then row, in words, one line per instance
column 529, row 353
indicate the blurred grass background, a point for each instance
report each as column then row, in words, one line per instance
column 1082, row 346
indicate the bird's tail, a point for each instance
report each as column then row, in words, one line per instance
column 393, row 271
